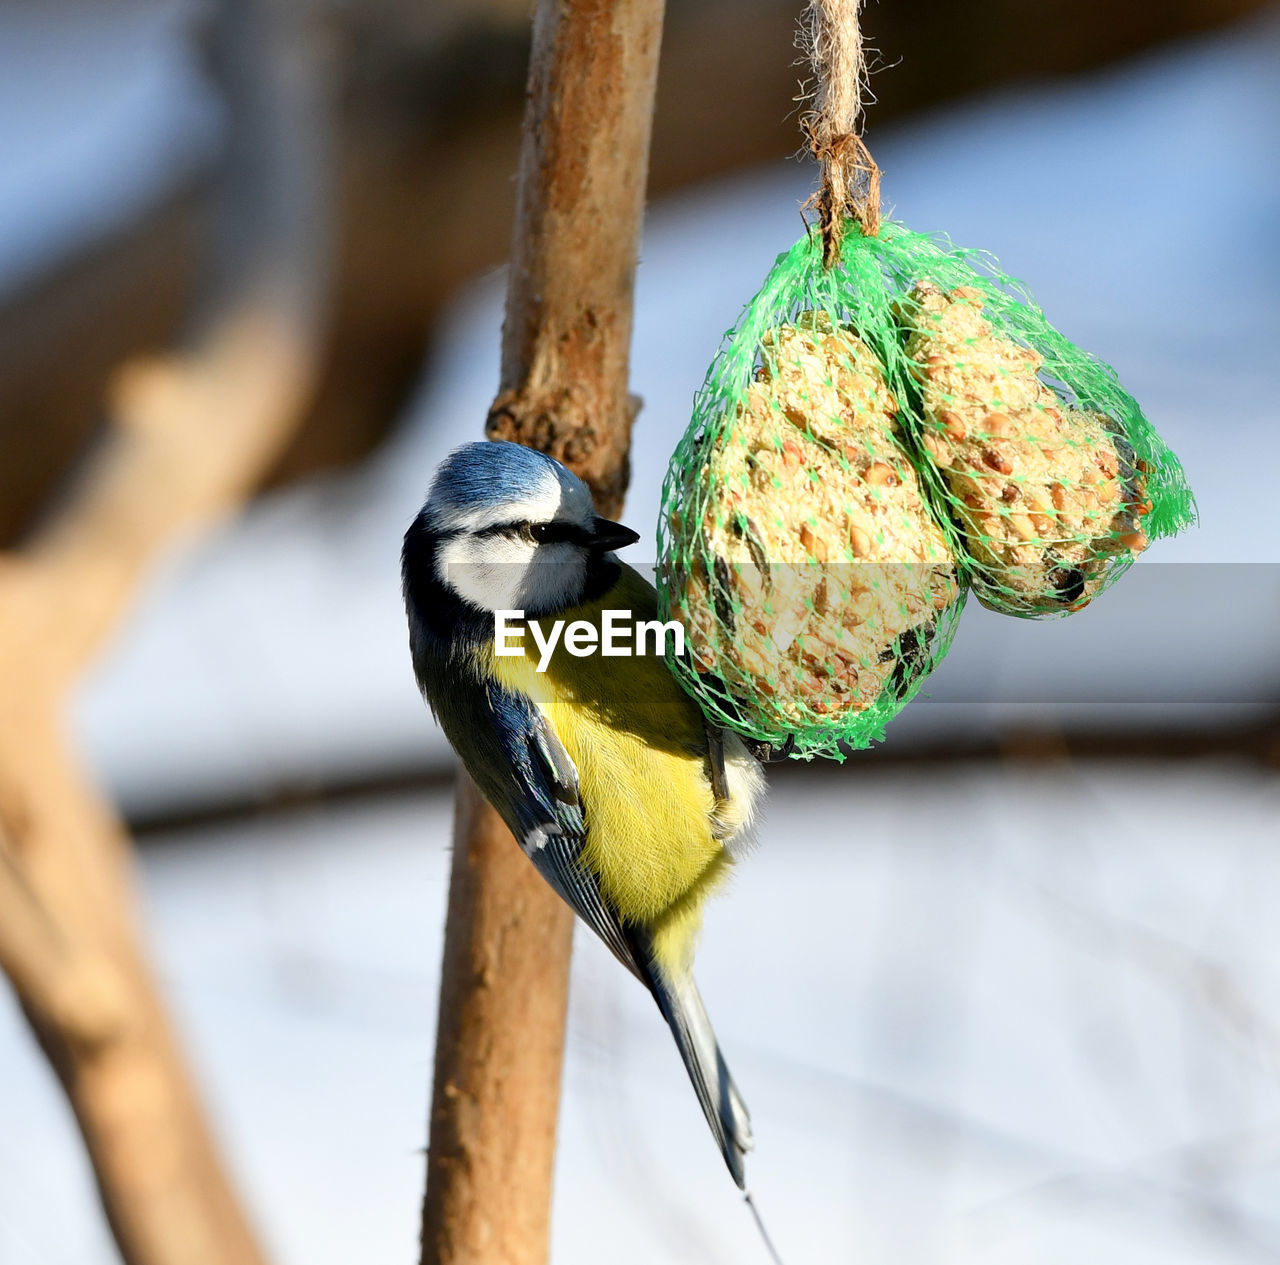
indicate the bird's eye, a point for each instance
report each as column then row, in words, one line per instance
column 546, row 533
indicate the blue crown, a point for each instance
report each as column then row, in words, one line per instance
column 490, row 472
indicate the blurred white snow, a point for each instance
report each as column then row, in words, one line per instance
column 1019, row 1014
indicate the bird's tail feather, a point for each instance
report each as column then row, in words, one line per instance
column 722, row 1105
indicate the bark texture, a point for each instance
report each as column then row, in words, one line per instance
column 496, row 1097
column 579, row 204
column 580, row 201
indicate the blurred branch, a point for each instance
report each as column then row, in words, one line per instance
column 566, row 341
column 1254, row 743
column 58, row 981
column 189, row 435
column 431, row 95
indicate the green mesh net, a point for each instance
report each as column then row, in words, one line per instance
column 870, row 440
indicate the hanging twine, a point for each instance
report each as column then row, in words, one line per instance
column 850, row 178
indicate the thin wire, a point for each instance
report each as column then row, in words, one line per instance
column 764, row 1234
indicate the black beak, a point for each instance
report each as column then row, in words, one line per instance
column 606, row 535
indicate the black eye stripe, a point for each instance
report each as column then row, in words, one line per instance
column 542, row 533
column 550, row 533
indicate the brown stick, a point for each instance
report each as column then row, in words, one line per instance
column 504, row 987
column 187, row 437
column 579, row 204
column 503, row 993
column 71, row 950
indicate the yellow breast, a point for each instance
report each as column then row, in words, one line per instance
column 640, row 749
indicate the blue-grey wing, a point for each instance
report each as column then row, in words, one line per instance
column 549, row 820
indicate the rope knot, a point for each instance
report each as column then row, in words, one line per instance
column 850, row 187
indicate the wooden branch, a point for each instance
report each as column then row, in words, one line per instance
column 188, row 436
column 504, row 987
column 64, row 986
column 72, row 954
column 579, row 204
column 503, row 994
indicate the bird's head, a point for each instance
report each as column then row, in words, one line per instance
column 512, row 529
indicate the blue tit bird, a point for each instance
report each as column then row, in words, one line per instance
column 606, row 772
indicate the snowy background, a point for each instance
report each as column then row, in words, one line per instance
column 1022, row 1012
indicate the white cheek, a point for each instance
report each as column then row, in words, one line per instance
column 488, row 571
column 502, row 572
